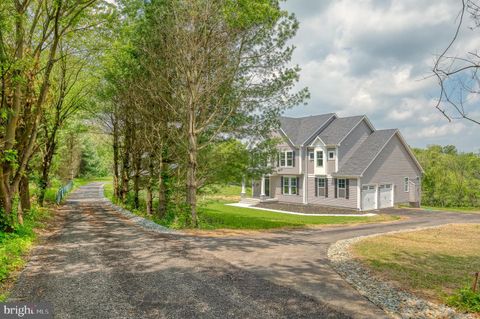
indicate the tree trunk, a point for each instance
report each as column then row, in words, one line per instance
column 162, row 198
column 125, row 170
column 149, row 198
column 25, row 194
column 116, row 176
column 136, row 180
column 192, row 168
column 46, row 164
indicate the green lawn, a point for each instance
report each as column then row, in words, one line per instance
column 214, row 214
column 435, row 263
column 454, row 209
column 217, row 215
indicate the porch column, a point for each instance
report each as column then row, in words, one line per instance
column 262, row 188
column 243, row 194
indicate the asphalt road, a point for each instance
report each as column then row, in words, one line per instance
column 97, row 264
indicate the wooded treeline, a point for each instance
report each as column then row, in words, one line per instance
column 451, row 179
column 188, row 80
column 46, row 56
column 186, row 90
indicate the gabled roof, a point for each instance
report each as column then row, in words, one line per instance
column 366, row 153
column 336, row 131
column 299, row 130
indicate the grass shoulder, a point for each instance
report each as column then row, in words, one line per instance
column 453, row 209
column 436, row 264
column 15, row 246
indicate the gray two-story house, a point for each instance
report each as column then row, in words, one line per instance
column 343, row 162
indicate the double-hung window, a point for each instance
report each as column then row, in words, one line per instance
column 321, row 183
column 319, row 158
column 406, row 184
column 289, row 156
column 342, row 188
column 290, row 186
column 286, row 159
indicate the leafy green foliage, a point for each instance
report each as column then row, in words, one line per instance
column 465, row 299
column 451, row 179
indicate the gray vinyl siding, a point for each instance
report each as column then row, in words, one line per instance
column 353, row 140
column 330, row 165
column 391, row 166
column 351, row 202
column 289, row 170
column 275, row 182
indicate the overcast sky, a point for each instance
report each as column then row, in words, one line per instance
column 372, row 57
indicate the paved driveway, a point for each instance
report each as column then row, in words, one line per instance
column 100, row 265
column 298, row 258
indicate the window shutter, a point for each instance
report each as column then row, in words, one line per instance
column 298, row 184
column 347, row 188
column 335, row 185
column 326, row 186
column 316, row 187
column 278, row 159
column 281, row 183
column 293, row 160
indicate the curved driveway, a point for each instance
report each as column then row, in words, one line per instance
column 100, row 265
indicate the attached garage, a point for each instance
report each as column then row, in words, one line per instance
column 385, row 196
column 369, row 197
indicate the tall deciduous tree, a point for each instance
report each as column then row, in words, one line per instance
column 29, row 49
column 222, row 68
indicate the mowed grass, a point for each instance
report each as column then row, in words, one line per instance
column 217, row 215
column 433, row 263
column 214, row 214
column 454, row 209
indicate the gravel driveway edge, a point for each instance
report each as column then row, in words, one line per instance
column 393, row 300
column 140, row 221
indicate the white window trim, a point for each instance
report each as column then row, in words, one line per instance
column 284, row 155
column 324, row 186
column 406, row 184
column 316, row 158
column 339, row 188
column 331, row 158
column 290, row 178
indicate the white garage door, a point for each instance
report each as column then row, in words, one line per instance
column 368, row 197
column 385, row 196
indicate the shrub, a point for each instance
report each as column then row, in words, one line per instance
column 465, row 299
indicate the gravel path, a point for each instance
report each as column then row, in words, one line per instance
column 99, row 264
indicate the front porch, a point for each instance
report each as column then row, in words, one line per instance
column 262, row 191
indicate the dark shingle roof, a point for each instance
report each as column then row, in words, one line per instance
column 300, row 129
column 338, row 129
column 364, row 155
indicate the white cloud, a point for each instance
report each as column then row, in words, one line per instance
column 373, row 56
column 442, row 130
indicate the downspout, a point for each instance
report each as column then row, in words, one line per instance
column 304, row 183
